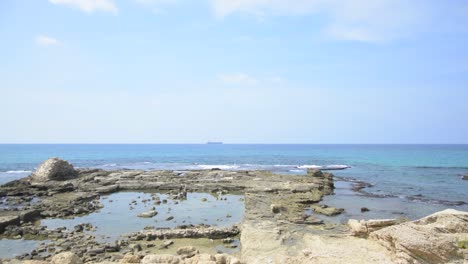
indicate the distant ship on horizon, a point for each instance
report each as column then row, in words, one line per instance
column 214, row 142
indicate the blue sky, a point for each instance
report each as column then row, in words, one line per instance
column 258, row 71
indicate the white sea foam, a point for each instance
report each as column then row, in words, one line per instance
column 18, row 171
column 109, row 165
column 326, row 167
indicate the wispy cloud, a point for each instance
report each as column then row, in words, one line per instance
column 89, row 6
column 355, row 20
column 237, row 78
column 46, row 41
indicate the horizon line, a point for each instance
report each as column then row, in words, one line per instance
column 223, row 143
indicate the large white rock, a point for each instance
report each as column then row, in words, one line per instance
column 161, row 258
column 66, row 258
column 432, row 239
column 54, row 169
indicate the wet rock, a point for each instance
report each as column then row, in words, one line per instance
column 78, row 228
column 431, row 239
column 108, row 189
column 135, row 247
column 187, row 252
column 66, row 258
column 364, row 209
column 275, row 208
column 8, row 220
column 130, row 258
column 204, row 199
column 314, row 173
column 169, row 218
column 161, row 258
column 465, row 177
column 54, row 169
column 148, row 214
column 326, row 210
column 187, row 232
column 363, row 228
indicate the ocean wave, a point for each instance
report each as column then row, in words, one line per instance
column 18, row 171
column 109, row 165
column 324, row 167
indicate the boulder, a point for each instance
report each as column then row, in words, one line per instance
column 66, row 258
column 363, row 228
column 130, row 258
column 148, row 214
column 187, row 252
column 432, row 239
column 161, row 258
column 201, row 259
column 54, row 169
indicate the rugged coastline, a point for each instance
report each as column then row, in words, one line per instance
column 274, row 228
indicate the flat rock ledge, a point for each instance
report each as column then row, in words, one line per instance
column 194, row 232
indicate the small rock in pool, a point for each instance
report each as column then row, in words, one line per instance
column 204, row 199
column 364, row 209
column 148, row 214
column 169, row 218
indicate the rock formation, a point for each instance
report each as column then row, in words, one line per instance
column 54, row 169
column 432, row 239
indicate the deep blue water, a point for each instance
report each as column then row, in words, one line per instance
column 431, row 171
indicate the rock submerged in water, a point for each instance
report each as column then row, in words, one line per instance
column 54, row 169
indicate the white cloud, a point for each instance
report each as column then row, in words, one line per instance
column 46, row 41
column 356, row 20
column 89, row 6
column 237, row 78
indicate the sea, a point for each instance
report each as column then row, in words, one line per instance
column 402, row 180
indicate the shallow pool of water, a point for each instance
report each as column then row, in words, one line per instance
column 390, row 207
column 117, row 217
column 10, row 248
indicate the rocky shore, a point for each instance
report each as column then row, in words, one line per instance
column 274, row 229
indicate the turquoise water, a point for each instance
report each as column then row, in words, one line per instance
column 429, row 172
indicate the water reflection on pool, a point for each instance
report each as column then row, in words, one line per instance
column 117, row 217
column 10, row 248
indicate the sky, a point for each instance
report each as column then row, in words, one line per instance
column 237, row 71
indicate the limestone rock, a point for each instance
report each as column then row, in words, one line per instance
column 148, row 214
column 130, row 258
column 364, row 228
column 201, row 259
column 66, row 258
column 54, row 169
column 326, row 210
column 432, row 239
column 161, row 258
column 187, row 252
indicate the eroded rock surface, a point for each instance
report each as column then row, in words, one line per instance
column 432, row 239
column 54, row 169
